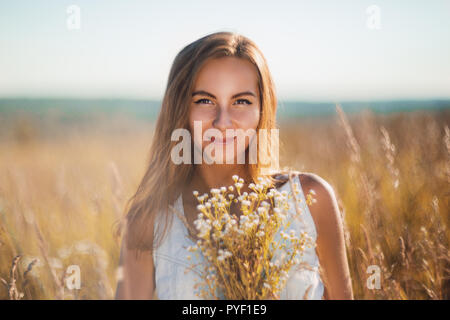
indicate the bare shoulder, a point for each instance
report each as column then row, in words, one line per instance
column 324, row 210
column 330, row 237
column 312, row 181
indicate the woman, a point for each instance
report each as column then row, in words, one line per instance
column 221, row 82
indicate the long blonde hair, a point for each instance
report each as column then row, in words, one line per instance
column 163, row 180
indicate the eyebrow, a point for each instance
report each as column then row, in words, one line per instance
column 245, row 93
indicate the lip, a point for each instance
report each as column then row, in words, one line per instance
column 223, row 142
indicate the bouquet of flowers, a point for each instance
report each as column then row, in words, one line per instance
column 240, row 251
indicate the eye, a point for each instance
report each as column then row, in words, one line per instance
column 243, row 100
column 202, row 101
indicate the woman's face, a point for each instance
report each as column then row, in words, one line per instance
column 225, row 96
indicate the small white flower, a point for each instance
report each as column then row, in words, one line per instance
column 235, row 178
column 247, row 225
column 215, row 191
column 246, row 203
column 203, row 233
column 192, row 248
column 243, row 219
column 279, row 199
column 195, row 193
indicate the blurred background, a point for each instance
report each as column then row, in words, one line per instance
column 81, row 84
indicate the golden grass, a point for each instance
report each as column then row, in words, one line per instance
column 61, row 190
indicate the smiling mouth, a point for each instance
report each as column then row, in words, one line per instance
column 223, row 142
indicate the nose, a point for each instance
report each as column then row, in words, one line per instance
column 222, row 120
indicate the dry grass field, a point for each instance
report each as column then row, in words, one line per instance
column 63, row 185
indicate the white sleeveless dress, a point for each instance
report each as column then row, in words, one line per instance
column 174, row 280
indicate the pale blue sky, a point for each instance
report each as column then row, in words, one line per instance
column 316, row 50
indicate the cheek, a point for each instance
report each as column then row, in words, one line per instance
column 250, row 119
column 201, row 114
column 204, row 116
column 194, row 115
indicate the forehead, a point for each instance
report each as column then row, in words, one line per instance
column 228, row 73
